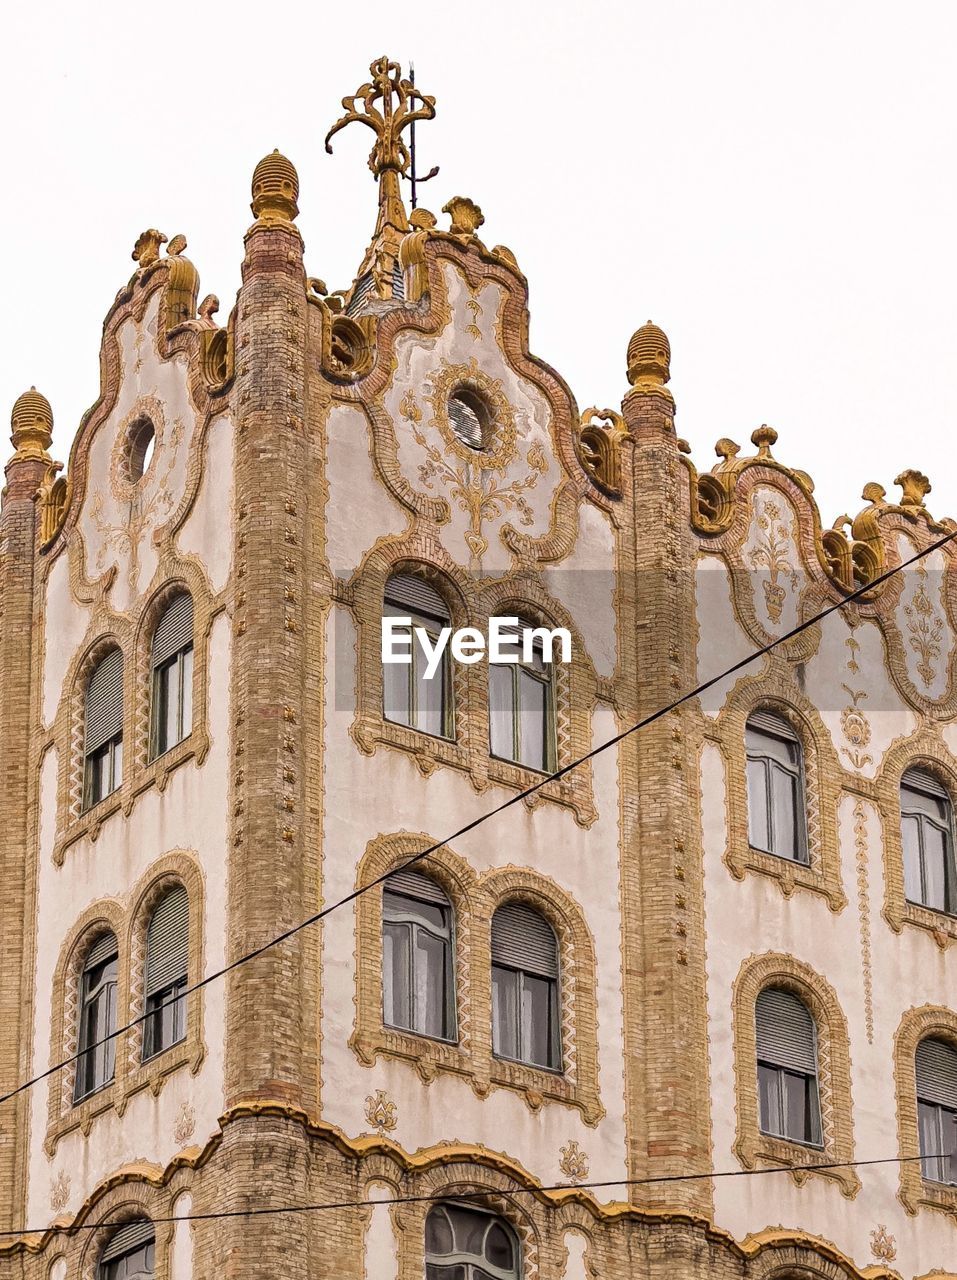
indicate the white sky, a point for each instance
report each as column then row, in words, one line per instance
column 771, row 182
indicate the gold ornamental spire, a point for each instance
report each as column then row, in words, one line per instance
column 388, row 104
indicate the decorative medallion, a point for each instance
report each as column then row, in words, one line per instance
column 883, row 1245
column 60, row 1192
column 185, row 1125
column 381, row 1112
column 574, row 1161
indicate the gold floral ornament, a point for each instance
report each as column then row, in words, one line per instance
column 600, row 439
column 147, row 248
column 60, row 1192
column 916, row 487
column 466, row 216
column 185, row 1125
column 381, row 1111
column 573, row 1162
column 883, row 1244
column 925, row 628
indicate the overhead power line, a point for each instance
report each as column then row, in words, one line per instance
column 856, row 594
column 261, row 1211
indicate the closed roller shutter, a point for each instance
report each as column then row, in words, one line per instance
column 522, row 939
column 919, row 780
column 132, row 1236
column 412, row 884
column 785, row 1032
column 104, row 702
column 175, row 630
column 409, row 591
column 103, row 949
column 937, row 1073
column 167, row 941
column 767, row 722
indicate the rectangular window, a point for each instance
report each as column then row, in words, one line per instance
column 172, row 702
column 97, row 1020
column 522, row 711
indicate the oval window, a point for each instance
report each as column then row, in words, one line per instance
column 141, row 443
column 469, row 417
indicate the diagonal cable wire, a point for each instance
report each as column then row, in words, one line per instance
column 856, row 594
column 262, row 1211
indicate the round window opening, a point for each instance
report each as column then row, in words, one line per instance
column 470, row 418
column 142, row 441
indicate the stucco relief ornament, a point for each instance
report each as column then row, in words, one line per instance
column 185, row 1125
column 925, row 629
column 60, row 1192
column 772, row 555
column 573, row 1162
column 883, row 1245
column 856, row 729
column 381, row 1112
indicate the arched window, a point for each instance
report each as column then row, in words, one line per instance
column 776, row 817
column 927, row 839
column 786, row 1040
column 936, row 1068
column 521, row 699
column 418, row 984
column 525, row 1017
column 103, row 737
column 172, row 664
column 129, row 1253
column 167, row 950
column 410, row 696
column 96, row 1018
column 469, row 1244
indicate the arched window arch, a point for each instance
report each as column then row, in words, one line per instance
column 936, row 1075
column 526, row 1023
column 103, row 729
column 469, row 1244
column 787, row 1066
column 410, row 695
column 927, row 841
column 418, row 974
column 166, row 972
column 96, row 1017
column 171, row 662
column 129, row 1254
column 776, row 806
column 521, row 702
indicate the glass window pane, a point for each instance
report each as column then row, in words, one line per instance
column 498, row 1247
column 784, row 812
column 396, row 1001
column 930, row 1141
column 505, row 1012
column 171, row 680
column 796, row 1124
column 769, row 1098
column 438, row 1233
column 431, row 983
column 396, row 696
column 533, row 699
column 186, row 684
column 537, row 1031
column 758, row 830
column 428, row 694
column 935, row 862
column 500, row 711
column 117, row 764
column 470, row 1229
column 910, row 838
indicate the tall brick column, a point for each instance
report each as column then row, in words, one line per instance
column 271, row 1040
column 665, row 1026
column 32, row 423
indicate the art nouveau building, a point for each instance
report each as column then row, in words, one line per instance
column 721, row 946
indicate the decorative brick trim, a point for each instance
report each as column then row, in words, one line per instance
column 916, row 1025
column 754, row 1148
column 474, row 900
column 925, row 750
column 776, row 690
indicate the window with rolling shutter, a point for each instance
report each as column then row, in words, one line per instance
column 409, row 696
column 96, row 1017
column 927, row 842
column 129, row 1253
column 775, row 775
column 525, row 974
column 103, row 729
column 165, row 978
column 172, row 663
column 936, row 1078
column 786, row 1047
column 418, row 975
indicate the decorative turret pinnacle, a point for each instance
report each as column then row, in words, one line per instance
column 275, row 189
column 388, row 104
column 649, row 357
column 32, row 423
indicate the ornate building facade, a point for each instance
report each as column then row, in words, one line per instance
column 574, row 1041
